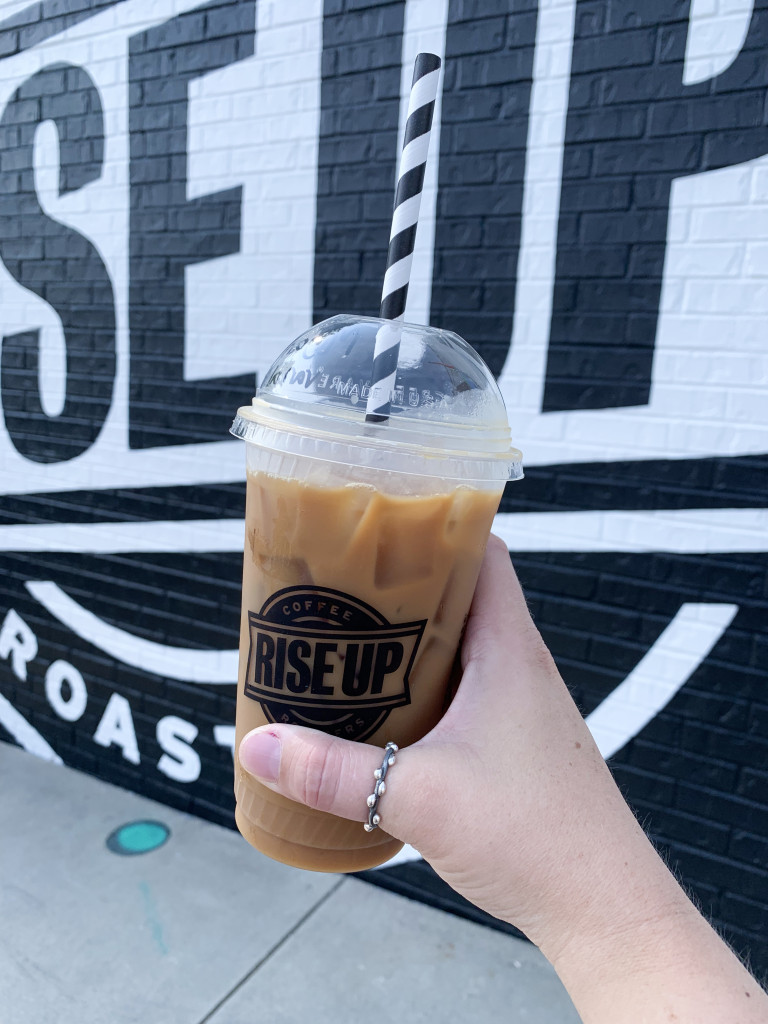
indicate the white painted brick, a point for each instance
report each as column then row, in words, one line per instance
column 760, row 181
column 104, row 70
column 277, row 13
column 538, row 296
column 553, row 58
column 620, row 429
column 276, row 157
column 724, row 187
column 747, row 407
column 701, row 260
column 290, row 99
column 525, row 325
column 274, row 128
column 208, row 170
column 546, row 131
column 549, row 96
column 213, row 110
column 756, row 259
column 715, row 37
column 704, row 8
column 284, row 238
column 700, row 403
column 286, row 40
column 679, row 225
column 542, row 195
column 687, row 331
column 544, row 166
column 535, row 264
column 217, row 136
column 717, row 34
column 277, row 323
column 282, row 69
column 423, row 15
column 704, row 438
column 739, row 298
column 673, row 295
column 748, row 222
column 694, row 368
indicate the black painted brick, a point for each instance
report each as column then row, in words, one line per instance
column 751, row 915
column 666, row 826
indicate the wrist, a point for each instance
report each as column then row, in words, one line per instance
column 632, row 928
column 641, row 951
column 619, row 898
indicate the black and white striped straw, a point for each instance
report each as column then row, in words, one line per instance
column 402, row 238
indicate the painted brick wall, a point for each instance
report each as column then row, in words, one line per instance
column 185, row 187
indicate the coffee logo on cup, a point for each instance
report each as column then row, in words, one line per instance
column 322, row 658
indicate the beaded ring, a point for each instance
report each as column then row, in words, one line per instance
column 380, row 787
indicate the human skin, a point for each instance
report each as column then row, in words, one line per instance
column 510, row 801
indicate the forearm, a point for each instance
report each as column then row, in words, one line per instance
column 646, row 956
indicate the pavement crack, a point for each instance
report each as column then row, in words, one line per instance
column 271, row 952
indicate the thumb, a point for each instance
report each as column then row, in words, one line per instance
column 336, row 775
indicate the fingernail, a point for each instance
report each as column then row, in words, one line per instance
column 260, row 755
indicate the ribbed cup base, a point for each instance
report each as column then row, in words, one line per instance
column 273, row 825
column 298, row 856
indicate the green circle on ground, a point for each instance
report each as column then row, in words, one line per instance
column 138, row 837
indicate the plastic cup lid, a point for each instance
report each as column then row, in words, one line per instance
column 447, row 416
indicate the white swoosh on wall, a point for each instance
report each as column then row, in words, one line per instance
column 182, row 663
column 659, row 674
column 24, row 734
column 679, row 531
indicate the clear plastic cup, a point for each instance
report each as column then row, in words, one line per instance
column 363, row 542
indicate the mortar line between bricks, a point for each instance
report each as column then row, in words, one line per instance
column 271, row 952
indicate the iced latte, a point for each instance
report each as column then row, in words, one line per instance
column 362, row 550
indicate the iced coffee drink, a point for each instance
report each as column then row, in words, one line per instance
column 362, row 550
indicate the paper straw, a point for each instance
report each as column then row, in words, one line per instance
column 402, row 237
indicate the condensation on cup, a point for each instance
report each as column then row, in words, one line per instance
column 363, row 543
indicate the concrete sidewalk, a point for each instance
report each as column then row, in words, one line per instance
column 204, row 930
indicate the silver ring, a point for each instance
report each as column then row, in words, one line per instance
column 380, row 787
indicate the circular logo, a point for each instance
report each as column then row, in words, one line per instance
column 325, row 659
